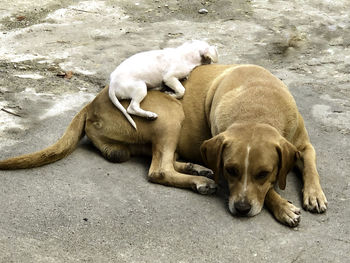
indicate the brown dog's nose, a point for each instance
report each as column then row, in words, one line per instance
column 242, row 207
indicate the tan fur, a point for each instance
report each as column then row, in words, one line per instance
column 231, row 115
column 63, row 147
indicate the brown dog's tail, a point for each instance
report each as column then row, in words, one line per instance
column 64, row 146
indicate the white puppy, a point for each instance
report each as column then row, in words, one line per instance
column 149, row 69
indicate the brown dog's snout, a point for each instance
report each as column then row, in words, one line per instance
column 242, row 207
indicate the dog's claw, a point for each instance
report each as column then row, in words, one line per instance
column 206, row 173
column 288, row 214
column 151, row 118
column 294, row 222
column 175, row 95
column 207, row 187
column 199, row 170
column 314, row 201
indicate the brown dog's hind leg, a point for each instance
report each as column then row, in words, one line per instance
column 162, row 170
column 314, row 199
column 115, row 153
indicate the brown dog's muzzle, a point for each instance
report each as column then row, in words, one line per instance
column 242, row 207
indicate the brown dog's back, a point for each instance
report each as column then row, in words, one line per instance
column 253, row 94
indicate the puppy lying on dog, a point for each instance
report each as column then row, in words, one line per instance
column 149, row 69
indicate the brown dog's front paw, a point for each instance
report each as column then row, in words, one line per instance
column 314, row 200
column 196, row 169
column 288, row 214
column 206, row 173
column 205, row 186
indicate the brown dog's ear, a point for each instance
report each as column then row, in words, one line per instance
column 288, row 154
column 211, row 151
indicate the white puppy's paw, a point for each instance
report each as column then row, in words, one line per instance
column 175, row 95
column 179, row 95
column 151, row 115
column 170, row 93
column 205, row 186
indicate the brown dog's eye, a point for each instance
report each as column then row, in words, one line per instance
column 262, row 175
column 232, row 171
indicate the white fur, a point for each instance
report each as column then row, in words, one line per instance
column 246, row 164
column 147, row 70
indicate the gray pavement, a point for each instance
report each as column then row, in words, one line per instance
column 85, row 209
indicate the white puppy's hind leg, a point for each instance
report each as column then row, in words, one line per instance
column 176, row 86
column 139, row 93
column 114, row 99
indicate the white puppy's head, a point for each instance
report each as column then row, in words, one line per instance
column 209, row 54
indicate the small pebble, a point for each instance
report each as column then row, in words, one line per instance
column 20, row 18
column 61, row 74
column 203, row 11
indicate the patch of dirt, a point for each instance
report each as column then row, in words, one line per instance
column 160, row 11
column 11, row 78
column 23, row 19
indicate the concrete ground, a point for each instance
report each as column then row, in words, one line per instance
column 85, row 209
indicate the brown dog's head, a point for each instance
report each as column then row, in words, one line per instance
column 252, row 159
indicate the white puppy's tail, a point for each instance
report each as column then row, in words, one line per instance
column 116, row 102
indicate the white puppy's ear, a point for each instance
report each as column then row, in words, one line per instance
column 210, row 53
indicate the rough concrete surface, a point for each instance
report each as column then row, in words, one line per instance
column 85, row 209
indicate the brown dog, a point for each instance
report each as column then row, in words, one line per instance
column 241, row 120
